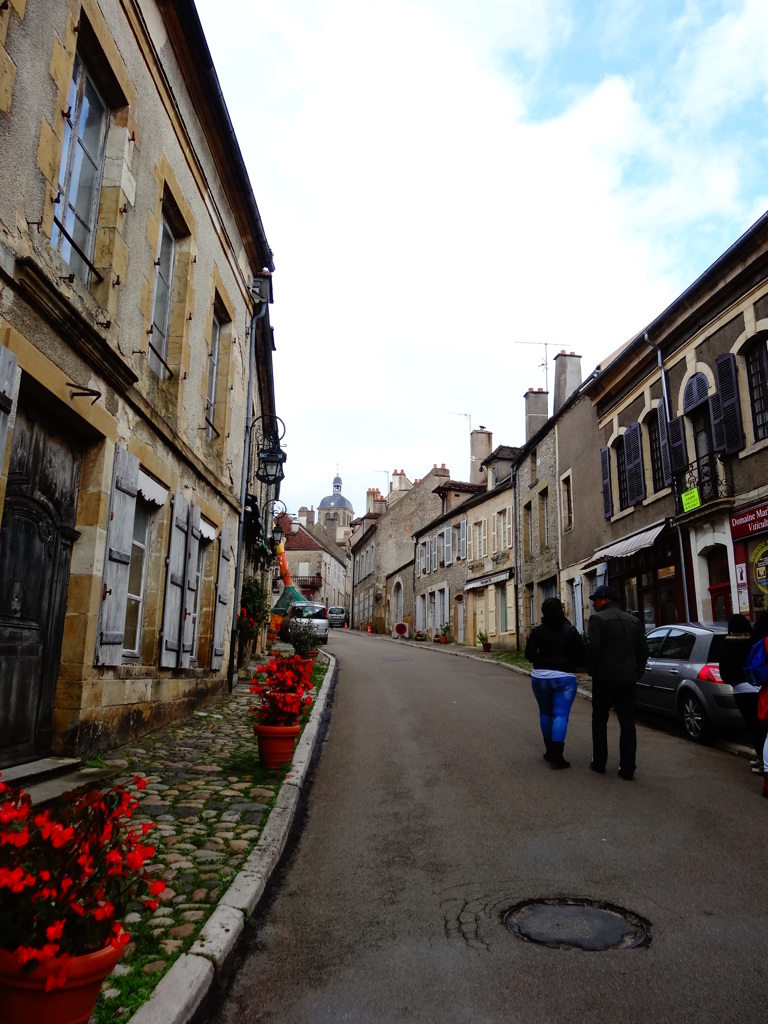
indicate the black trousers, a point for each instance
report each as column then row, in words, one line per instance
column 607, row 694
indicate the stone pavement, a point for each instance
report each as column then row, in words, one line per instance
column 221, row 826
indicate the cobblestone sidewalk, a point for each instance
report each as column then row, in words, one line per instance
column 210, row 800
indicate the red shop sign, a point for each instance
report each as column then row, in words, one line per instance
column 753, row 520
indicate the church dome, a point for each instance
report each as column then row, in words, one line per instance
column 337, row 499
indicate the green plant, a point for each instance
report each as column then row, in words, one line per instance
column 68, row 873
column 302, row 636
column 482, row 637
column 256, row 600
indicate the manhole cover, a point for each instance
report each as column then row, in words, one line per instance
column 577, row 924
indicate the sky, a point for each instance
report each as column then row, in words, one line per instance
column 455, row 192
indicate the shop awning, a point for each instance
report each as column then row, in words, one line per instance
column 627, row 546
column 487, row 581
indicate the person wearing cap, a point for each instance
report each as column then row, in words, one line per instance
column 616, row 657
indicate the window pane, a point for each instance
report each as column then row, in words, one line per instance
column 84, row 184
column 136, row 571
column 131, row 637
column 92, row 122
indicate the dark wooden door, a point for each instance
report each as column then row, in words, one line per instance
column 36, row 538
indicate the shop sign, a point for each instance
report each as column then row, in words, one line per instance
column 759, row 560
column 754, row 520
column 690, row 499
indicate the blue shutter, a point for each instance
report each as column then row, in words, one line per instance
column 727, row 426
column 666, row 457
column 633, row 453
column 605, row 467
column 678, row 449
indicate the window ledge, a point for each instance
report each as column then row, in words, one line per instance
column 751, row 449
column 664, row 493
column 623, row 514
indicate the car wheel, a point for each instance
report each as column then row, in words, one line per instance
column 695, row 722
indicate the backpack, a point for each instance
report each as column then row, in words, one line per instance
column 756, row 668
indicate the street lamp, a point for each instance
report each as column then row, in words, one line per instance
column 270, row 456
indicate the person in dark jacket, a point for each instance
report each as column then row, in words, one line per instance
column 733, row 657
column 616, row 657
column 554, row 648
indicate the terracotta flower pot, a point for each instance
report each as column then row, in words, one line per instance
column 276, row 743
column 486, row 648
column 23, row 998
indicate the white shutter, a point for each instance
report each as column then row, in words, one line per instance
column 508, row 540
column 468, row 539
column 511, row 618
column 222, row 590
column 117, row 559
column 447, row 546
column 433, row 542
column 494, row 547
column 191, row 585
column 578, row 606
column 463, row 539
column 484, row 552
column 175, row 581
column 8, row 363
column 490, row 593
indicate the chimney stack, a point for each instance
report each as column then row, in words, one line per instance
column 480, row 446
column 567, row 377
column 536, row 415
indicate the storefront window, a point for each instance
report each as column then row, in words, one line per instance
column 758, row 573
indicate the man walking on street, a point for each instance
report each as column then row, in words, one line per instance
column 616, row 657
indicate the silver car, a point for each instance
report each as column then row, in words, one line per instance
column 337, row 616
column 682, row 678
column 307, row 610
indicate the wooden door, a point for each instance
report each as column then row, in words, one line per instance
column 36, row 538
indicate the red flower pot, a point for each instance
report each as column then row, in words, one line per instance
column 23, row 998
column 276, row 743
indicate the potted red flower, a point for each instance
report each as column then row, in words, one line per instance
column 282, row 686
column 67, row 874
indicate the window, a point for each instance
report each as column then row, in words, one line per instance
column 654, row 443
column 544, row 519
column 480, row 538
column 567, row 498
column 757, row 372
column 502, row 624
column 137, row 580
column 80, row 174
column 161, row 306
column 499, row 535
column 213, row 374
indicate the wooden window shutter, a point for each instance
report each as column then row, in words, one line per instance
column 220, row 613
column 484, row 552
column 678, row 449
column 468, row 539
column 175, row 581
column 605, row 471
column 508, row 538
column 696, row 391
column 117, row 559
column 418, row 559
column 725, row 407
column 463, row 538
column 433, row 542
column 494, row 542
column 664, row 450
column 633, row 450
column 191, row 585
column 448, row 546
column 8, row 364
column 491, row 605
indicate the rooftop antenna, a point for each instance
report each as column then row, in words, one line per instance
column 468, row 416
column 545, row 364
column 386, row 471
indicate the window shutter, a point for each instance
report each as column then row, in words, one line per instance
column 433, row 542
column 8, row 364
column 510, row 597
column 666, row 457
column 491, row 606
column 468, row 539
column 484, row 552
column 463, row 538
column 633, row 450
column 192, row 583
column 220, row 614
column 448, row 546
column 678, row 450
column 578, row 607
column 508, row 538
column 494, row 531
column 696, row 391
column 117, row 559
column 175, row 582
column 418, row 559
column 727, row 427
column 605, row 469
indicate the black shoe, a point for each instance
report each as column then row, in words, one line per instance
column 547, row 755
column 556, row 759
column 627, row 776
column 597, row 768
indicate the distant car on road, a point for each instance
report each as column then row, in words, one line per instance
column 306, row 610
column 337, row 616
column 682, row 678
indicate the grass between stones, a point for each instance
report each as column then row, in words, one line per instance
column 210, row 799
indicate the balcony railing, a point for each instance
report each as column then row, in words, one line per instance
column 702, row 483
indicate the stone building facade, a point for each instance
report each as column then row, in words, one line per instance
column 134, row 289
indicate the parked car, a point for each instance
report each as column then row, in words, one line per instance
column 314, row 613
column 682, row 678
column 337, row 616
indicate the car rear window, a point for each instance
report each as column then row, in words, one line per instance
column 715, row 648
column 335, row 611
column 309, row 611
column 678, row 645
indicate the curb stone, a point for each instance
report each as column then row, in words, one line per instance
column 179, row 994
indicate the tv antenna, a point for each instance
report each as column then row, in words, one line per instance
column 468, row 416
column 545, row 364
column 386, row 471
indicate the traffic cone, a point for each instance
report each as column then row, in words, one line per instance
column 346, row 626
column 369, row 629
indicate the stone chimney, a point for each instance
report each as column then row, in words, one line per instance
column 311, row 516
column 480, row 447
column 567, row 377
column 536, row 414
column 400, row 481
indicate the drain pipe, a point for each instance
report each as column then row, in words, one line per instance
column 515, row 563
column 665, row 399
column 249, row 421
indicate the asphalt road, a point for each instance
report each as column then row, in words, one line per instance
column 431, row 813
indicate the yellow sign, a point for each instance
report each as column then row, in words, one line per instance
column 690, row 499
